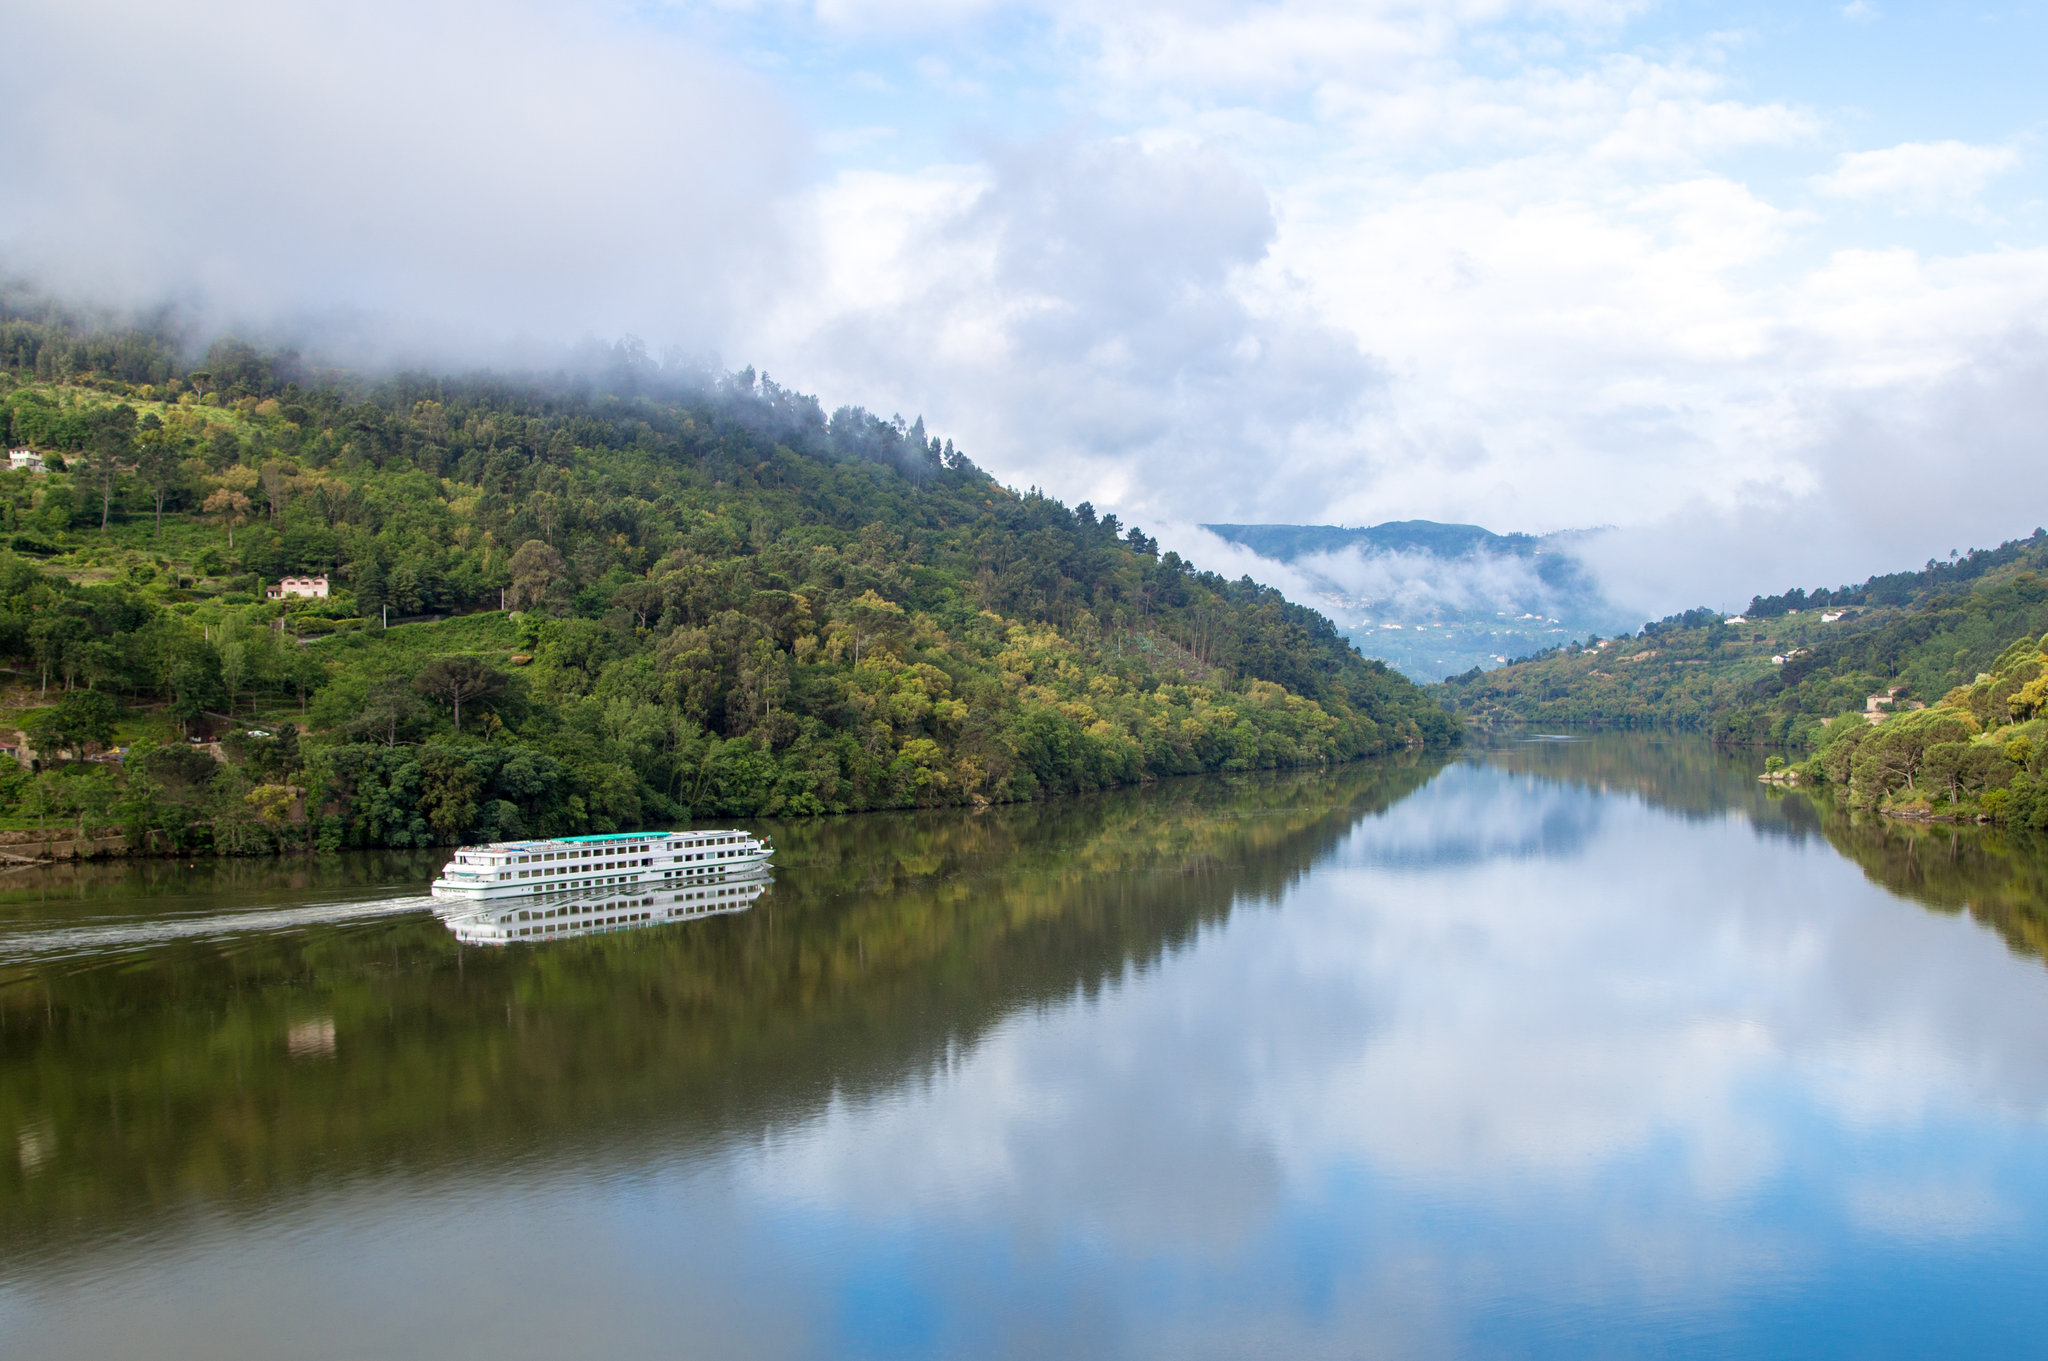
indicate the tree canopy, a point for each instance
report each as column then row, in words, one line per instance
column 615, row 599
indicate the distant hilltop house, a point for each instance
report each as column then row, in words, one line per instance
column 1735, row 619
column 25, row 460
column 303, row 588
column 1832, row 615
column 1875, row 707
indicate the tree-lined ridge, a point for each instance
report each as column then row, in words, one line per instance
column 586, row 602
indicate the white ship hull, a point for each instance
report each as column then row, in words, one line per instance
column 516, row 870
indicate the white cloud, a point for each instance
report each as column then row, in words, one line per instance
column 1077, row 310
column 1444, row 1042
column 479, row 171
column 1529, row 293
column 1923, row 176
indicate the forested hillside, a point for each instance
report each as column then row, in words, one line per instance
column 715, row 599
column 1910, row 636
column 1980, row 752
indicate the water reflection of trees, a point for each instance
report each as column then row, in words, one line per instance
column 194, row 1073
column 1999, row 878
column 1687, row 776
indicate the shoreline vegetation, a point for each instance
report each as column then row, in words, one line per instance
column 1978, row 754
column 619, row 598
column 1797, row 672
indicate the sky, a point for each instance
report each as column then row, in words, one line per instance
column 1758, row 287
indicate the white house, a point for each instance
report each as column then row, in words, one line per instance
column 304, row 588
column 25, row 459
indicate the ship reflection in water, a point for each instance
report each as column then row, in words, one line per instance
column 560, row 916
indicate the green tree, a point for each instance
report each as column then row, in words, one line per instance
column 159, row 465
column 447, row 792
column 228, row 508
column 234, row 667
column 539, row 577
column 382, row 711
column 82, row 723
column 371, row 595
column 458, row 679
column 88, row 795
column 109, row 454
column 195, row 685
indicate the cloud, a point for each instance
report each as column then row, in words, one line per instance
column 1080, row 310
column 1442, row 1044
column 1421, row 584
column 1840, row 515
column 1390, row 584
column 1921, row 176
column 463, row 172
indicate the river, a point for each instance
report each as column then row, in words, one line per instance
column 1556, row 1048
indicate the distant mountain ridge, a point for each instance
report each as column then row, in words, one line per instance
column 1286, row 543
column 1433, row 599
column 1779, row 673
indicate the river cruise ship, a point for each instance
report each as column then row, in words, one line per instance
column 577, row 864
column 599, row 912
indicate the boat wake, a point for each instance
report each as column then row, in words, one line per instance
column 100, row 937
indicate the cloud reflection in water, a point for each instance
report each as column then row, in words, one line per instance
column 1517, row 1045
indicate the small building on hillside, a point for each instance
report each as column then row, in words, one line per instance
column 302, row 588
column 25, row 460
column 1875, row 707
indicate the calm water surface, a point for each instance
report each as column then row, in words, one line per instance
column 1562, row 1049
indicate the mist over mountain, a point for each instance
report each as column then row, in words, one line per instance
column 1433, row 599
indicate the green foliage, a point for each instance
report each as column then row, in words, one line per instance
column 722, row 602
column 1904, row 639
column 81, row 723
column 1974, row 754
